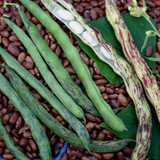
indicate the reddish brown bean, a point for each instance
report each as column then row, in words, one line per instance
column 21, row 57
column 4, row 101
column 149, row 51
column 97, row 155
column 53, row 140
column 13, row 38
column 90, row 117
column 101, row 137
column 23, row 129
column 4, row 34
column 77, row 154
column 14, row 117
column 23, row 142
column 8, row 156
column 27, row 65
column 107, row 156
column 5, row 118
column 94, row 134
column 13, row 50
column 89, row 126
column 33, row 145
column 122, row 100
column 3, row 111
column 19, row 122
column 105, row 96
column 65, row 156
column 1, row 150
column 37, row 95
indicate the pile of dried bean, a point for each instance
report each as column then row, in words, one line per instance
column 115, row 95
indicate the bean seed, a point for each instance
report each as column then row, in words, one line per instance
column 14, row 117
column 23, row 142
column 21, row 57
column 8, row 128
column 97, row 155
column 4, row 101
column 85, row 158
column 5, row 42
column 120, row 155
column 27, row 65
column 94, row 134
column 65, row 156
column 122, row 100
column 107, row 156
column 101, row 137
column 149, row 51
column 77, row 154
column 1, row 151
column 3, row 111
column 13, row 38
column 90, row 118
column 19, row 122
column 53, row 140
column 105, row 96
column 13, row 50
column 33, row 145
column 94, row 15
column 34, row 20
column 4, row 34
column 5, row 118
column 89, row 126
column 8, row 156
column 23, row 129
column 28, row 149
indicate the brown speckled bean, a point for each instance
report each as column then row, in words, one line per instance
column 33, row 145
column 107, row 156
column 14, row 117
column 149, row 51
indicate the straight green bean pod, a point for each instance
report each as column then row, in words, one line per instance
column 54, row 125
column 81, row 69
column 35, row 126
column 11, row 145
column 107, row 53
column 47, row 95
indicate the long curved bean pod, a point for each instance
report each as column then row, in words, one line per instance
column 11, row 145
column 81, row 69
column 107, row 53
column 36, row 128
column 61, row 94
column 133, row 56
column 53, row 124
column 47, row 95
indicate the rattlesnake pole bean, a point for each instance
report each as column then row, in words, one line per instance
column 107, row 53
column 54, row 125
column 133, row 55
column 46, row 94
column 81, row 69
column 35, row 126
column 11, row 145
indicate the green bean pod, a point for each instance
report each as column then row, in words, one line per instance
column 57, row 68
column 107, row 53
column 11, row 145
column 54, row 125
column 61, row 94
column 35, row 126
column 48, row 96
column 81, row 69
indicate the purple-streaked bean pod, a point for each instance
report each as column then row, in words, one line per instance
column 107, row 53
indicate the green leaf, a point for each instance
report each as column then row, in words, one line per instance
column 138, row 28
column 128, row 116
column 104, row 68
column 153, row 59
